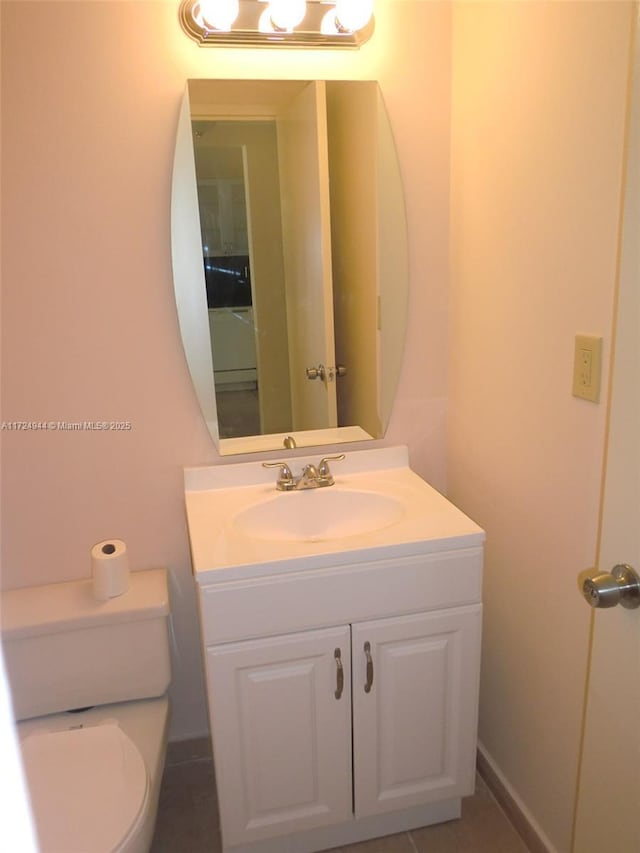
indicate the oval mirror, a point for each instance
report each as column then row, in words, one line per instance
column 290, row 260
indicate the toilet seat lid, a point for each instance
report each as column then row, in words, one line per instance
column 87, row 787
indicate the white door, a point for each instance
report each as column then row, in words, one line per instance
column 608, row 808
column 280, row 711
column 414, row 730
column 303, row 163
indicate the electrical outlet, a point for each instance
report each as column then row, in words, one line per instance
column 586, row 367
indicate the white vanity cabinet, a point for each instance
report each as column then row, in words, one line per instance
column 332, row 734
column 342, row 673
column 283, row 711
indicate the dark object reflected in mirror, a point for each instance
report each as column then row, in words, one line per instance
column 291, row 192
column 228, row 281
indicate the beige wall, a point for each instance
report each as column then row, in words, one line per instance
column 539, row 93
column 91, row 94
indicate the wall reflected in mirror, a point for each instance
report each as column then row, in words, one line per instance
column 303, row 262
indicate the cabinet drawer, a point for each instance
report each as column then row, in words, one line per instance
column 298, row 601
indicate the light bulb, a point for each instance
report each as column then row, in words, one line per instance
column 329, row 24
column 353, row 15
column 219, row 14
column 265, row 24
column 287, row 14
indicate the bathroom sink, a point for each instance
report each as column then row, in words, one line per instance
column 241, row 527
column 315, row 515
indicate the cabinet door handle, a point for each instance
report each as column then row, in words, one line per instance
column 339, row 674
column 369, row 683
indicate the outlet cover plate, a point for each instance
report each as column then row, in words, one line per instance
column 587, row 367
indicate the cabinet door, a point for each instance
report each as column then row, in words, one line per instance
column 415, row 729
column 223, row 215
column 281, row 727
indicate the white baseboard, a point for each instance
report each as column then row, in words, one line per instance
column 523, row 821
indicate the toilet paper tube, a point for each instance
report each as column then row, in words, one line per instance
column 109, row 569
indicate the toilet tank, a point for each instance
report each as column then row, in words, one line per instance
column 65, row 650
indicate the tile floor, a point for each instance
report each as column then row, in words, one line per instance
column 238, row 413
column 188, row 819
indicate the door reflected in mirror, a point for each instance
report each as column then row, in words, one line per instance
column 293, row 313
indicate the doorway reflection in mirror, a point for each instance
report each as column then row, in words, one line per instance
column 237, row 171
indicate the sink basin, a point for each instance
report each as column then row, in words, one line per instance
column 315, row 515
column 241, row 527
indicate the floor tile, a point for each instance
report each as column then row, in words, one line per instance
column 483, row 828
column 188, row 821
column 187, row 810
column 400, row 843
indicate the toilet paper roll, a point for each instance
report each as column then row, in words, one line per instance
column 109, row 569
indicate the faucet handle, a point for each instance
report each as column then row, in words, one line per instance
column 324, row 471
column 285, row 481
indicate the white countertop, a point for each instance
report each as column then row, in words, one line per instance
column 220, row 552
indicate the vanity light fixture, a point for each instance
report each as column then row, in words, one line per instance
column 277, row 23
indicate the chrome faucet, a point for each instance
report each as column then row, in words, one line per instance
column 310, row 478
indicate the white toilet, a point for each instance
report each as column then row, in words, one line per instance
column 89, row 680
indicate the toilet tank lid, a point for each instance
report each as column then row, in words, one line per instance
column 50, row 609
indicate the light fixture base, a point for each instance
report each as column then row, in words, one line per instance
column 245, row 31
